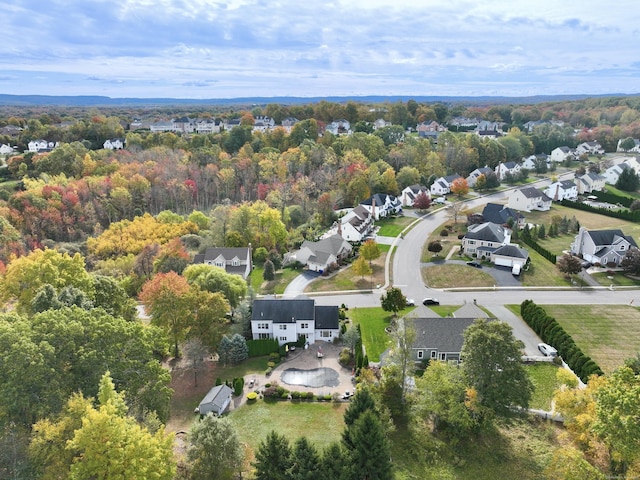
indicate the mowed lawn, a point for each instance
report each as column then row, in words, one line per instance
column 453, row 275
column 321, row 422
column 608, row 333
column 373, row 322
column 391, row 227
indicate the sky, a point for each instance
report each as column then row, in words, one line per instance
column 272, row 48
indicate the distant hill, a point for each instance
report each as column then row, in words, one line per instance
column 88, row 101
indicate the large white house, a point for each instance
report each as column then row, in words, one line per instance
column 286, row 320
column 410, row 193
column 560, row 154
column 589, row 182
column 381, row 205
column 507, row 168
column 442, row 185
column 41, row 145
column 562, row 190
column 356, row 225
column 589, row 148
column 529, row 198
column 602, row 246
column 320, row 255
column 114, row 144
column 473, row 176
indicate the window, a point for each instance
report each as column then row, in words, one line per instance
column 263, row 326
column 420, row 354
column 325, row 333
column 263, row 336
column 235, row 262
column 219, row 264
column 443, row 356
column 283, row 326
column 433, row 353
column 283, row 339
column 304, row 325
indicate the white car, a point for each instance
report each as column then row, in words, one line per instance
column 547, row 350
column 411, row 302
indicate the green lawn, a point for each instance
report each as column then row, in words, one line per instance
column 283, row 278
column 451, row 276
column 619, row 279
column 542, row 272
column 345, row 279
column 543, row 376
column 392, row 226
column 372, row 323
column 607, row 333
column 322, row 423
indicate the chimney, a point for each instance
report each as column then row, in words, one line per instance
column 373, row 206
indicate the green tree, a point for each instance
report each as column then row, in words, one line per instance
column 393, row 300
column 627, row 144
column 435, row 247
column 628, row 180
column 233, row 349
column 361, row 267
column 333, row 463
column 273, row 458
column 370, row 250
column 113, row 298
column 492, row 366
column 569, row 265
column 215, row 279
column 214, row 449
column 360, row 403
column 618, row 418
column 568, row 463
column 443, row 398
column 370, row 457
column 305, row 461
column 403, row 335
column 269, row 272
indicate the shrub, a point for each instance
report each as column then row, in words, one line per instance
column 285, row 396
column 295, row 395
column 444, row 232
column 271, row 365
column 274, row 357
column 268, row 371
column 252, row 396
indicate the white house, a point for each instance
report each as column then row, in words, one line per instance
column 635, row 148
column 589, row 182
column 381, row 123
column 442, row 185
column 382, row 205
column 5, row 149
column 288, row 319
column 288, row 123
column 263, row 123
column 235, row 260
column 320, row 255
column 612, row 174
column 356, row 225
column 532, row 161
column 560, row 154
column 208, row 126
column 41, row 146
column 562, row 190
column 473, row 176
column 114, row 144
column 338, row 127
column 589, row 148
column 529, row 198
column 602, row 246
column 507, row 168
column 410, row 193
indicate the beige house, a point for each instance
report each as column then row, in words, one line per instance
column 529, row 198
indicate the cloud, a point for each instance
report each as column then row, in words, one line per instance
column 285, row 47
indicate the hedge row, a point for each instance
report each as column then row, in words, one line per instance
column 613, row 198
column 259, row 348
column 276, row 392
column 530, row 242
column 622, row 214
column 551, row 332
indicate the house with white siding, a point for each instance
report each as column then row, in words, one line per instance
column 562, row 190
column 442, row 185
column 529, row 198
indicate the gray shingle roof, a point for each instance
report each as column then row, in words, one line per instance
column 488, row 232
column 511, row 251
column 608, row 237
column 443, row 334
column 283, row 310
column 497, row 213
column 327, row 317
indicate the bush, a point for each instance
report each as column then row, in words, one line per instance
column 252, row 396
column 268, row 371
column 271, row 365
column 295, row 395
column 274, row 357
column 444, row 232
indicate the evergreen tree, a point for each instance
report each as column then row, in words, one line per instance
column 269, row 272
column 305, row 461
column 361, row 402
column 541, row 232
column 333, row 463
column 369, row 459
column 214, row 449
column 273, row 458
column 233, row 349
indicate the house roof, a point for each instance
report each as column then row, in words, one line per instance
column 451, row 178
column 283, row 310
column 499, row 214
column 215, row 398
column 416, row 189
column 327, row 317
column 609, row 237
column 488, row 232
column 511, row 251
column 442, row 334
column 228, row 253
column 381, row 199
column 567, row 184
column 531, row 192
column 470, row 310
column 331, row 245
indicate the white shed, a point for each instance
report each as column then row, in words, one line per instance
column 216, row 401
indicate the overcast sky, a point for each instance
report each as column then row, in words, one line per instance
column 240, row 48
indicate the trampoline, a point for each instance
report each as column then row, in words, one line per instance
column 316, row 377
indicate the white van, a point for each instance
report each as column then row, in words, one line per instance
column 440, row 200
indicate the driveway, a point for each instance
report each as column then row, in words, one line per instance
column 298, row 284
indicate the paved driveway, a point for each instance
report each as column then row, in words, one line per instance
column 297, row 285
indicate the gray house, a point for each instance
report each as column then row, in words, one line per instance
column 234, row 260
column 216, row 401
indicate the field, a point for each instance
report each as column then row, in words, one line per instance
column 607, row 333
column 543, row 376
column 345, row 279
column 449, row 276
column 391, row 227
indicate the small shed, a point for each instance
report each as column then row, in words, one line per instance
column 216, row 401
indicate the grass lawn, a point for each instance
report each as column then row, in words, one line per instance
column 448, row 242
column 322, row 423
column 542, row 272
column 392, row 226
column 607, row 333
column 543, row 376
column 615, row 191
column 373, row 321
column 619, row 279
column 283, row 278
column 345, row 279
column 449, row 276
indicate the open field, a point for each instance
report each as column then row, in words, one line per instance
column 607, row 333
column 392, row 226
column 449, row 276
column 346, row 279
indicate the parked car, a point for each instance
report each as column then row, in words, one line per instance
column 547, row 350
column 475, row 264
column 411, row 302
column 347, row 395
column 430, row 301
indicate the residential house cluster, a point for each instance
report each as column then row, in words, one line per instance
column 40, row 146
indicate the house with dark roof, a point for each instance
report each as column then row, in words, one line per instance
column 602, row 246
column 562, row 190
column 482, row 239
column 235, row 260
column 410, row 193
column 473, row 176
column 532, row 161
column 318, row 256
column 41, row 145
column 561, row 154
column 590, row 148
column 501, row 214
column 288, row 319
column 356, row 225
column 507, row 168
column 527, row 199
column 442, row 338
column 442, row 185
column 382, row 205
column 216, row 400
column 509, row 256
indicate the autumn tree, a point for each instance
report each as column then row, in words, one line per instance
column 569, row 463
column 422, row 201
column 569, row 265
column 370, row 250
column 214, row 449
column 165, row 297
column 361, row 267
column 460, row 187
